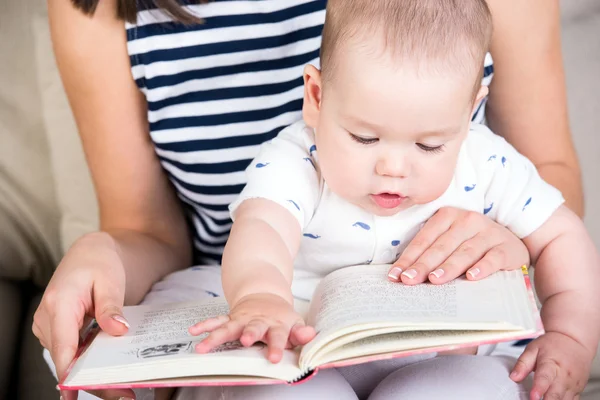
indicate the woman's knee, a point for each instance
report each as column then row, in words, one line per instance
column 453, row 377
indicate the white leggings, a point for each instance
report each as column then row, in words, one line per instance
column 428, row 377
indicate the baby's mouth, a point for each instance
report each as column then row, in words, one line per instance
column 388, row 200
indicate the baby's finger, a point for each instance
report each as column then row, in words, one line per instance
column 525, row 363
column 465, row 256
column 208, row 325
column 557, row 390
column 277, row 337
column 226, row 333
column 254, row 331
column 544, row 376
column 301, row 334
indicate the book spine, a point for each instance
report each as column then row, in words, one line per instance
column 304, row 377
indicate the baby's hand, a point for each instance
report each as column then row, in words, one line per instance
column 562, row 367
column 263, row 317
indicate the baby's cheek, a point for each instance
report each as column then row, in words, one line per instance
column 436, row 186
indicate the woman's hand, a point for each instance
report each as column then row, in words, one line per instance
column 265, row 318
column 89, row 282
column 456, row 241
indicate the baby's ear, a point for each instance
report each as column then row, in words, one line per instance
column 481, row 93
column 312, row 96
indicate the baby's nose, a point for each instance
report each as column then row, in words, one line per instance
column 394, row 166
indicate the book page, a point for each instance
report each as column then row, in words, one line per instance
column 158, row 335
column 362, row 297
column 407, row 342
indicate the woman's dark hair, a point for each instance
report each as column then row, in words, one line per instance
column 127, row 9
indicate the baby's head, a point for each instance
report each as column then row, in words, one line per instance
column 393, row 101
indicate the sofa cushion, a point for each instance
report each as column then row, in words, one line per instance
column 74, row 189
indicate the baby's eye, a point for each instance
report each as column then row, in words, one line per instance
column 430, row 149
column 363, row 140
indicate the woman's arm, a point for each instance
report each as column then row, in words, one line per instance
column 138, row 206
column 527, row 103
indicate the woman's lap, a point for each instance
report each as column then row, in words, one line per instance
column 444, row 377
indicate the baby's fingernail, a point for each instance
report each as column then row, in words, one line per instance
column 121, row 320
column 410, row 274
column 513, row 374
column 395, row 273
column 437, row 273
column 474, row 272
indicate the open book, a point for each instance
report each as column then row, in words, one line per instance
column 359, row 316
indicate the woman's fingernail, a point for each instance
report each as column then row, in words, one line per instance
column 410, row 274
column 395, row 273
column 125, row 398
column 437, row 273
column 121, row 320
column 474, row 272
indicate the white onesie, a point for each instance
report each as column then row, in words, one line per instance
column 491, row 177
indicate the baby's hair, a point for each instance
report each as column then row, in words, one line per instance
column 127, row 9
column 442, row 34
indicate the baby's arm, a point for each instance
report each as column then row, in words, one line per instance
column 567, row 280
column 258, row 257
column 278, row 200
column 257, row 278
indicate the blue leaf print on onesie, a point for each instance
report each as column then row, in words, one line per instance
column 312, row 149
column 262, row 165
column 493, row 157
column 395, row 242
column 311, row 236
column 362, row 225
column 311, row 162
column 487, row 210
column 504, row 161
column 294, row 203
column 213, row 294
column 528, row 202
column 469, row 188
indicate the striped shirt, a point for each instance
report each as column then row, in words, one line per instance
column 216, row 91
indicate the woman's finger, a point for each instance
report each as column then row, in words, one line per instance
column 108, row 306
column 437, row 254
column 39, row 320
column 463, row 258
column 208, row 325
column 494, row 260
column 253, row 332
column 64, row 338
column 433, row 229
column 277, row 338
column 227, row 333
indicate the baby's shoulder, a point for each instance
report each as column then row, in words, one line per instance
column 299, row 135
column 481, row 138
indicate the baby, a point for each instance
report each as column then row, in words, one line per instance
column 387, row 141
